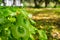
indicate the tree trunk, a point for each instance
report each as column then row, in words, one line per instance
column 46, row 3
column 21, row 1
column 35, row 2
column 14, row 2
column 4, row 4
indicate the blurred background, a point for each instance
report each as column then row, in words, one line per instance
column 31, row 3
column 46, row 14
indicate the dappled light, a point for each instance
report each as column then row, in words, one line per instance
column 29, row 19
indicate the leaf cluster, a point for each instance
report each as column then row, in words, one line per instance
column 16, row 25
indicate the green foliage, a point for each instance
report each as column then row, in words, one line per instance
column 16, row 25
column 42, row 35
column 0, row 1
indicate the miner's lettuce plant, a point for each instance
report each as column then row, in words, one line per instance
column 15, row 24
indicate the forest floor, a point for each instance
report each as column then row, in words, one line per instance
column 47, row 18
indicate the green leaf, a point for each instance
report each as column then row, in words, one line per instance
column 42, row 35
column 2, row 20
column 12, row 19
